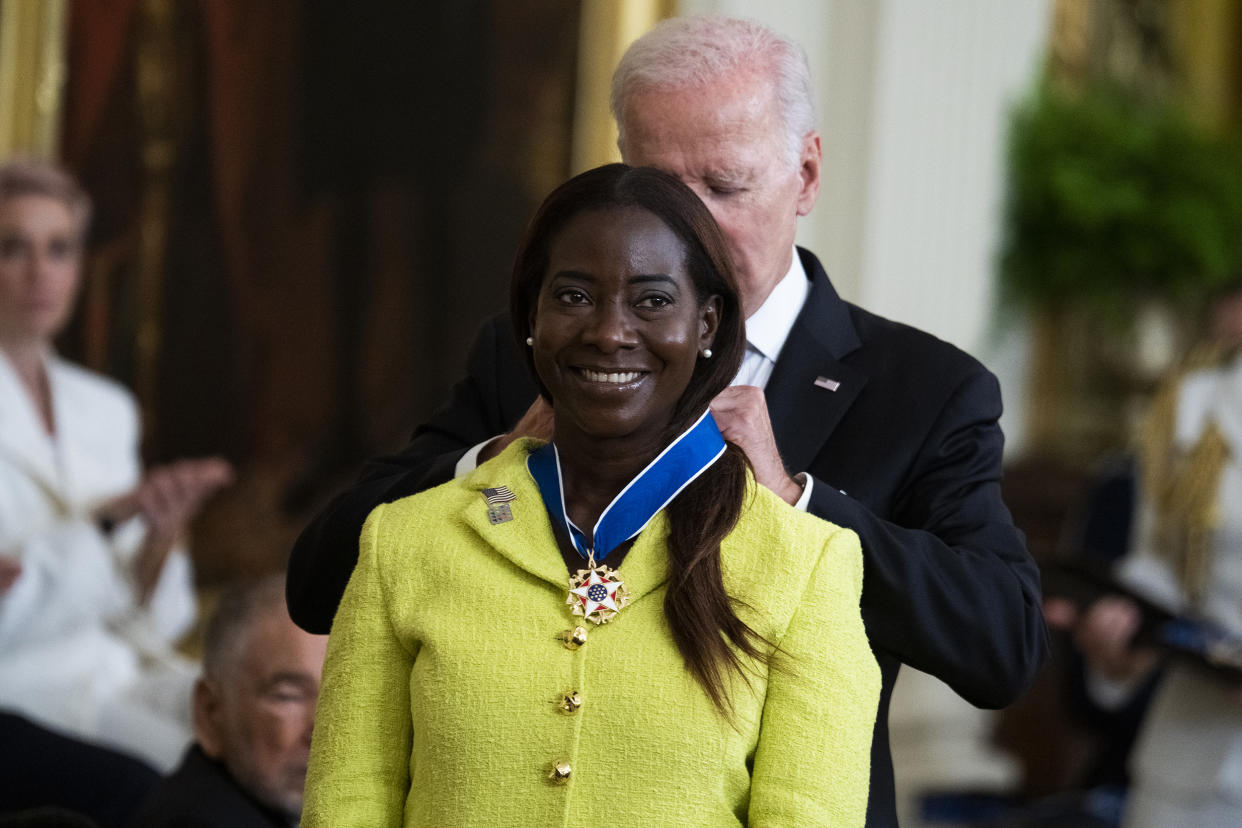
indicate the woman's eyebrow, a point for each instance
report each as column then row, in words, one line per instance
column 576, row 275
column 638, row 278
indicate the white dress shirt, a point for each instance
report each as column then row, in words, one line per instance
column 769, row 327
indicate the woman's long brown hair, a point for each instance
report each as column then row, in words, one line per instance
column 705, row 626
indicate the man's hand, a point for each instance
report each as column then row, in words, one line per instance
column 167, row 499
column 741, row 412
column 1105, row 635
column 536, row 422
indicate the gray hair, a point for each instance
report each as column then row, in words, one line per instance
column 30, row 176
column 689, row 52
column 240, row 604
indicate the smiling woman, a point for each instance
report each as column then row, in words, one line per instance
column 727, row 633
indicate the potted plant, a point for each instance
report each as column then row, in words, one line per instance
column 1115, row 205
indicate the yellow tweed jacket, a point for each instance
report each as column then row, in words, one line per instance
column 445, row 669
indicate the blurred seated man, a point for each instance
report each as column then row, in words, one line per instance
column 1186, row 557
column 1095, row 537
column 254, row 708
column 93, row 586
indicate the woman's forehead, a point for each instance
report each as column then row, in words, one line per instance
column 629, row 242
column 35, row 210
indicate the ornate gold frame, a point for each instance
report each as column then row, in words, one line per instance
column 607, row 27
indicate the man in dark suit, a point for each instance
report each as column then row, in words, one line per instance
column 254, row 708
column 890, row 431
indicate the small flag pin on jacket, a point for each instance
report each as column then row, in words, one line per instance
column 830, row 384
column 498, row 500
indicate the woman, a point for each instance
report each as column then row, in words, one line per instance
column 91, row 589
column 725, row 679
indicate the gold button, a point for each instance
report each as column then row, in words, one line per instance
column 575, row 638
column 571, row 701
column 561, row 772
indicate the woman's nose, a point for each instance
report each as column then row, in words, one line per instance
column 39, row 263
column 609, row 328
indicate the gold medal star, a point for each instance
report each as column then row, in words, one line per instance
column 597, row 594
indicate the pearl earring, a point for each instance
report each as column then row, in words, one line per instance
column 530, row 340
column 707, row 353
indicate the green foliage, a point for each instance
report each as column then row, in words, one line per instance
column 1113, row 202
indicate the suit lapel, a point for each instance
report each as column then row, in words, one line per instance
column 801, row 403
column 96, row 434
column 527, row 540
column 22, row 437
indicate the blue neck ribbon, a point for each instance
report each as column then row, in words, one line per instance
column 683, row 460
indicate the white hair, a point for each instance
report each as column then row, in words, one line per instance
column 240, row 606
column 690, row 52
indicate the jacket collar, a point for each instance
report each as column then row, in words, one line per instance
column 527, row 540
column 22, row 436
column 802, row 405
column 198, row 771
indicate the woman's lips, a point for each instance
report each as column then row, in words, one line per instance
column 612, row 377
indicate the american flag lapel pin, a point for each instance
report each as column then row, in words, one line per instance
column 498, row 499
column 825, row 382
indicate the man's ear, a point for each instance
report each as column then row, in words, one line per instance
column 209, row 718
column 709, row 321
column 810, row 163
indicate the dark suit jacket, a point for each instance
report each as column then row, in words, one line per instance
column 201, row 794
column 43, row 770
column 906, row 452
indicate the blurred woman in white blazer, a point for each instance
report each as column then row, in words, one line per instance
column 93, row 588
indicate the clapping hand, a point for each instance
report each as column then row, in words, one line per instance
column 167, row 499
